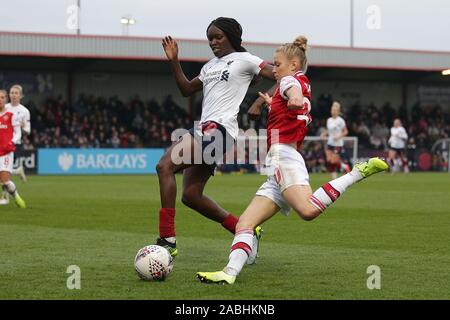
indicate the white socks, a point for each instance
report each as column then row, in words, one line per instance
column 171, row 239
column 10, row 187
column 323, row 197
column 240, row 250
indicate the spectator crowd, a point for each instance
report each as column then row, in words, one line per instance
column 98, row 122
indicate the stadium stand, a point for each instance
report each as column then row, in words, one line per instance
column 100, row 122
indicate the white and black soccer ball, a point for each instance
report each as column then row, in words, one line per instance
column 153, row 263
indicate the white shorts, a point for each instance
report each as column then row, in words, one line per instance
column 6, row 162
column 285, row 168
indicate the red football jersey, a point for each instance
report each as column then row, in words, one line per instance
column 7, row 123
column 291, row 124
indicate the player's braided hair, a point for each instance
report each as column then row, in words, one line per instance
column 232, row 30
column 296, row 49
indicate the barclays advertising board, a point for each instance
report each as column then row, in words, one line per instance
column 98, row 161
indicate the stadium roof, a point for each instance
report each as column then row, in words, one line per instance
column 142, row 48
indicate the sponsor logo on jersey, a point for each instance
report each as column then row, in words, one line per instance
column 225, row 75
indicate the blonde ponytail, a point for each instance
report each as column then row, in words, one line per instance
column 301, row 42
column 297, row 49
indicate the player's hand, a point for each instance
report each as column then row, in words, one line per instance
column 266, row 97
column 255, row 110
column 170, row 47
column 295, row 103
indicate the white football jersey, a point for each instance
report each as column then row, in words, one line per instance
column 23, row 116
column 225, row 83
column 335, row 127
column 398, row 138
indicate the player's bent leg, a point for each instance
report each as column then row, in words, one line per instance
column 298, row 197
column 329, row 155
column 333, row 163
column 392, row 155
column 10, row 187
column 326, row 195
column 404, row 162
column 178, row 157
column 267, row 208
column 194, row 181
column 175, row 159
column 259, row 210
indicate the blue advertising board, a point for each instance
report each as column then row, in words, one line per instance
column 98, row 161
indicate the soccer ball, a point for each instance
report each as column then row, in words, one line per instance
column 153, row 263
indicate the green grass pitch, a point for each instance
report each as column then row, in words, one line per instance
column 400, row 223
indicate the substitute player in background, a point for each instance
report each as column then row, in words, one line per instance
column 224, row 81
column 336, row 131
column 397, row 145
column 23, row 116
column 288, row 185
column 10, row 134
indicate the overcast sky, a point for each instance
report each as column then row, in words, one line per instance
column 397, row 24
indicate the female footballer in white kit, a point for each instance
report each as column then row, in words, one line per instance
column 287, row 185
column 397, row 145
column 224, row 81
column 10, row 134
column 336, row 131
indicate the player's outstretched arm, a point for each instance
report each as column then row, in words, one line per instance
column 187, row 87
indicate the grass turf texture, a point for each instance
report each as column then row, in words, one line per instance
column 400, row 223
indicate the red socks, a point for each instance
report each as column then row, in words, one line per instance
column 167, row 222
column 230, row 223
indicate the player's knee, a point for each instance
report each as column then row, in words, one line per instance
column 306, row 214
column 190, row 198
column 187, row 200
column 163, row 166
